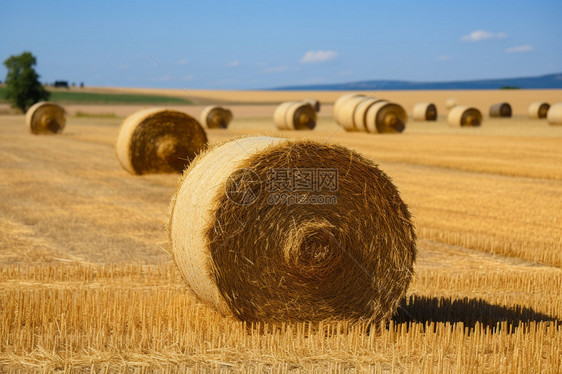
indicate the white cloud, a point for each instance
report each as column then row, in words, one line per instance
column 345, row 73
column 233, row 64
column 519, row 49
column 183, row 61
column 444, row 58
column 275, row 69
column 124, row 67
column 479, row 35
column 312, row 57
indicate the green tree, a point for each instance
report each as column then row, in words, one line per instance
column 22, row 82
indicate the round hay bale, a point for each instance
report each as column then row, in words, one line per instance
column 352, row 114
column 216, row 117
column 385, row 117
column 315, row 104
column 464, row 116
column 360, row 113
column 450, row 103
column 341, row 101
column 159, row 141
column 260, row 259
column 45, row 118
column 538, row 109
column 346, row 113
column 502, row 110
column 554, row 115
column 295, row 115
column 425, row 112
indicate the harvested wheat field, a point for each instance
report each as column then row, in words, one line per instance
column 88, row 284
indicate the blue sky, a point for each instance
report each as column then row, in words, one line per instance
column 264, row 44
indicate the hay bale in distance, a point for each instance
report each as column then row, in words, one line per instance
column 425, row 112
column 295, row 115
column 258, row 260
column 216, row 117
column 159, row 141
column 362, row 113
column 554, row 115
column 341, row 101
column 464, row 116
column 352, row 112
column 538, row 109
column 502, row 110
column 315, row 104
column 450, row 103
column 386, row 118
column 45, row 118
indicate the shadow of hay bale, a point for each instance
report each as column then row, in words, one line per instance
column 421, row 309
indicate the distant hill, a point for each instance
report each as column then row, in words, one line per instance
column 551, row 81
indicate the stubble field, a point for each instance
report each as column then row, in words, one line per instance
column 86, row 283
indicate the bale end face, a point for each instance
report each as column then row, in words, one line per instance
column 425, row 112
column 295, row 115
column 45, row 118
column 159, row 141
column 500, row 110
column 216, row 117
column 261, row 259
column 386, row 118
column 464, row 116
column 539, row 109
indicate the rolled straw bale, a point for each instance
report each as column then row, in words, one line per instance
column 464, row 116
column 216, row 117
column 538, row 109
column 346, row 113
column 554, row 115
column 258, row 260
column 450, row 103
column 341, row 101
column 315, row 104
column 45, row 118
column 352, row 114
column 295, row 115
column 360, row 113
column 500, row 110
column 159, row 141
column 425, row 112
column 386, row 117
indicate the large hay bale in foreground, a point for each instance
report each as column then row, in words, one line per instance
column 502, row 110
column 554, row 115
column 254, row 256
column 314, row 103
column 464, row 116
column 386, row 118
column 45, row 118
column 216, row 117
column 295, row 115
column 425, row 112
column 538, row 109
column 159, row 141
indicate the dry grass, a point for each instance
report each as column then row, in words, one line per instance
column 485, row 296
column 120, row 317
